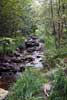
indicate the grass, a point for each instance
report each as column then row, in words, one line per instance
column 59, row 91
column 29, row 86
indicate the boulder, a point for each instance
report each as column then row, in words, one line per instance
column 31, row 43
column 16, row 53
column 3, row 94
column 6, row 67
column 16, row 60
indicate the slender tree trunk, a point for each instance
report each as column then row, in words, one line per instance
column 59, row 25
column 52, row 15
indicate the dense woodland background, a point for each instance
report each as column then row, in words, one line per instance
column 47, row 19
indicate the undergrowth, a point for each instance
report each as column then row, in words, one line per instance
column 28, row 86
column 59, row 91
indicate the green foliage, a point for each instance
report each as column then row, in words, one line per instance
column 59, row 91
column 28, row 86
column 53, row 17
column 9, row 45
column 12, row 15
column 6, row 45
column 52, row 55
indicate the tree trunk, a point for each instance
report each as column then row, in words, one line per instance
column 59, row 25
column 52, row 16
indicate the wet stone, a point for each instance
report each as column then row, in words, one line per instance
column 17, row 54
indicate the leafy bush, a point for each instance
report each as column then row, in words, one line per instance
column 59, row 91
column 28, row 87
column 6, row 45
column 9, row 45
column 52, row 55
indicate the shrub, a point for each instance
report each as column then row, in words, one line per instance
column 9, row 45
column 59, row 91
column 6, row 45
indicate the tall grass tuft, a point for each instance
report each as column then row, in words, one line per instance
column 28, row 86
column 59, row 91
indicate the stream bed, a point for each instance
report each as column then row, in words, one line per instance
column 29, row 54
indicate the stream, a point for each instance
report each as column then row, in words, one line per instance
column 29, row 54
